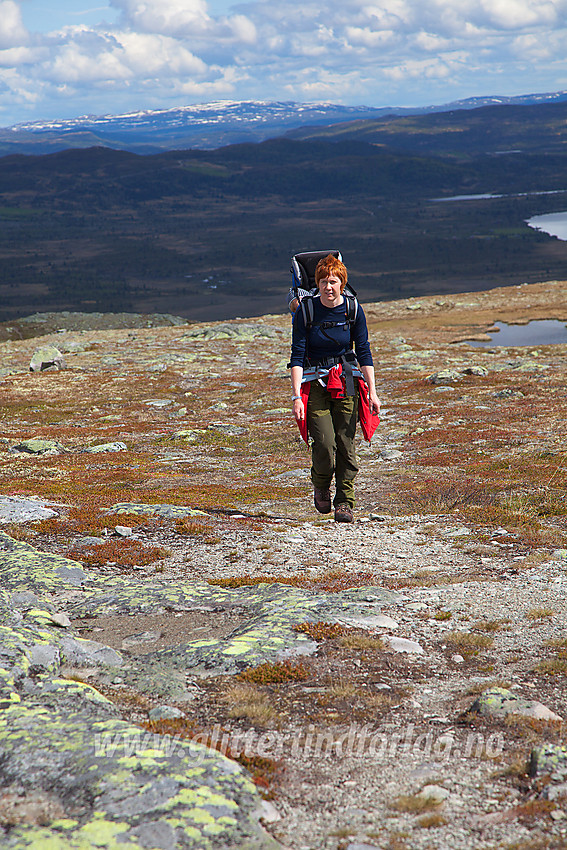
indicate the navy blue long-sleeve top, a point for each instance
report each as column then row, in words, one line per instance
column 309, row 348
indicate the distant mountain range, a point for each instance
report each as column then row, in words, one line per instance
column 209, row 233
column 213, row 125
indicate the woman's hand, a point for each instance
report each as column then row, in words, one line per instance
column 298, row 406
column 373, row 400
column 374, row 403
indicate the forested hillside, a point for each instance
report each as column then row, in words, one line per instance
column 210, row 233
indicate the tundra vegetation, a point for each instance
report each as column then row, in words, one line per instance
column 416, row 696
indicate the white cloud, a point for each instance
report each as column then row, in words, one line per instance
column 517, row 14
column 243, row 29
column 366, row 37
column 365, row 51
column 419, row 68
column 16, row 57
column 156, row 55
column 12, row 30
column 167, row 17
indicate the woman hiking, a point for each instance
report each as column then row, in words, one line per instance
column 332, row 384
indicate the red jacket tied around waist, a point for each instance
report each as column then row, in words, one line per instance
column 336, row 386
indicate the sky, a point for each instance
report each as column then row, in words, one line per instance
column 67, row 58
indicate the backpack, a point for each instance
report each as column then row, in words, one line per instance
column 303, row 277
column 303, row 270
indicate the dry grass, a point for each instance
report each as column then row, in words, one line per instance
column 321, row 630
column 539, row 614
column 552, row 667
column 533, row 810
column 362, row 642
column 249, row 703
column 431, row 821
column 88, row 519
column 560, row 644
column 333, row 581
column 491, row 625
column 469, row 643
column 442, row 615
column 344, row 691
column 380, row 700
column 200, row 530
column 416, row 803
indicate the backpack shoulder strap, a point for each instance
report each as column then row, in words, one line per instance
column 351, row 308
column 306, row 305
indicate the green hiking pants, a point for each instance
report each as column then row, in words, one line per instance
column 332, row 425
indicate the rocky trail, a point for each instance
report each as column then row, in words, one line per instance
column 192, row 657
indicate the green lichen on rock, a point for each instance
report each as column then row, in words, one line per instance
column 37, row 446
column 125, row 787
column 239, row 332
column 549, row 759
column 266, row 635
column 501, row 702
column 110, row 784
column 165, row 511
column 24, row 568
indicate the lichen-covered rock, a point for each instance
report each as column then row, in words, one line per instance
column 444, row 376
column 80, row 776
column 37, row 446
column 106, row 447
column 480, row 371
column 166, row 511
column 24, row 568
column 121, row 787
column 228, row 429
column 266, row 635
column 94, row 779
column 240, row 332
column 47, row 357
column 500, row 702
column 16, row 509
column 549, row 759
column 449, row 376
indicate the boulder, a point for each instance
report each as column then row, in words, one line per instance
column 398, row 644
column 14, row 509
column 47, row 357
column 37, row 446
column 500, row 702
column 549, row 759
column 106, row 447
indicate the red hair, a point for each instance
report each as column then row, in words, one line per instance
column 328, row 266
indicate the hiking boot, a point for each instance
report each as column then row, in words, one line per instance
column 343, row 513
column 322, row 500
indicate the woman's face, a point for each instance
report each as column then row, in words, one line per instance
column 330, row 288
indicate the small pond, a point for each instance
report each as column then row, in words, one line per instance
column 555, row 224
column 537, row 332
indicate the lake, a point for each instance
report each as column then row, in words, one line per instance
column 554, row 223
column 537, row 332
